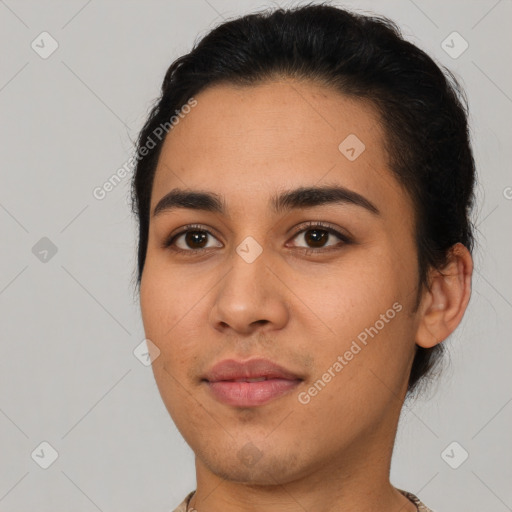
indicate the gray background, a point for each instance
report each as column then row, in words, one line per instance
column 70, row 321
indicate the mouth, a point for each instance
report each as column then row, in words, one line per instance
column 251, row 383
column 251, row 393
column 255, row 379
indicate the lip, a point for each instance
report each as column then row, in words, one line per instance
column 228, row 381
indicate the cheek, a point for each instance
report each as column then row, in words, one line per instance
column 358, row 377
column 170, row 304
column 164, row 314
column 352, row 295
column 362, row 311
column 168, row 300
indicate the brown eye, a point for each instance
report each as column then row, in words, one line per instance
column 193, row 239
column 316, row 236
column 196, row 237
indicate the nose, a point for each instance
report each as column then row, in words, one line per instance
column 250, row 297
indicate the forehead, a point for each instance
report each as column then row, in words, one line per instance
column 247, row 140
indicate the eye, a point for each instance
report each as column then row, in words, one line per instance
column 194, row 237
column 317, row 234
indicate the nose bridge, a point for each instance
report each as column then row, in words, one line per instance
column 249, row 273
column 249, row 294
column 251, row 248
column 252, row 251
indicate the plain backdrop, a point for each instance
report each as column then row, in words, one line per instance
column 69, row 317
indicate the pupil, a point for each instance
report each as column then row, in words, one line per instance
column 193, row 237
column 317, row 240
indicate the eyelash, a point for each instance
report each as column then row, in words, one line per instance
column 168, row 243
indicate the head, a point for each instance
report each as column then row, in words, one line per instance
column 325, row 166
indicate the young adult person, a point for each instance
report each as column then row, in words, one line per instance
column 303, row 189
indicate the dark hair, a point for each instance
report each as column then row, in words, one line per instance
column 423, row 111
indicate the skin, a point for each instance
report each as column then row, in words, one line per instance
column 301, row 311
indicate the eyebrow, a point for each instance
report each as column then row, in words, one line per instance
column 303, row 197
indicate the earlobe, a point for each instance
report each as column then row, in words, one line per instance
column 446, row 300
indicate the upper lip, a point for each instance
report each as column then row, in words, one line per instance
column 231, row 369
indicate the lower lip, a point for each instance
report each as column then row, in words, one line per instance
column 251, row 394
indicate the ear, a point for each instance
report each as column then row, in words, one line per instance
column 444, row 303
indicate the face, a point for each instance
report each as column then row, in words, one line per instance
column 321, row 284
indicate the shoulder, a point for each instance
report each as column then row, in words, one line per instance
column 182, row 507
column 421, row 506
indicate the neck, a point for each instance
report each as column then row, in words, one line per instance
column 355, row 480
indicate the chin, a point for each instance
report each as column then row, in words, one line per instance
column 251, row 466
column 260, row 474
